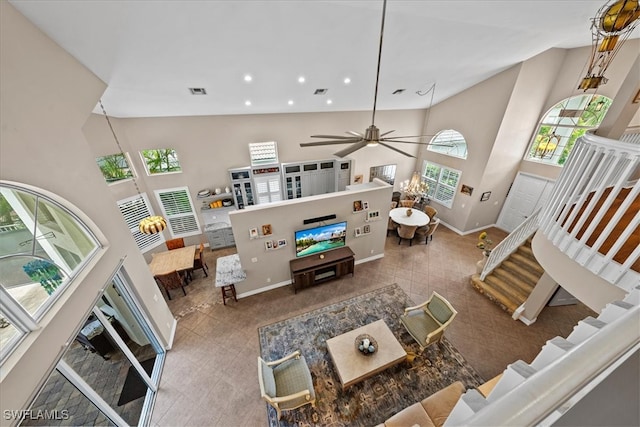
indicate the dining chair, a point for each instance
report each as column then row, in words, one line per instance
column 426, row 231
column 198, row 261
column 170, row 281
column 407, row 232
column 407, row 203
column 432, row 212
column 175, row 243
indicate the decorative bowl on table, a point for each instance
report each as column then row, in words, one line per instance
column 366, row 344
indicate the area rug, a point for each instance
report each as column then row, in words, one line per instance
column 134, row 388
column 373, row 400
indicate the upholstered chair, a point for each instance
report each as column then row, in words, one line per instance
column 407, row 232
column 407, row 203
column 430, row 211
column 394, row 205
column 286, row 383
column 175, row 243
column 427, row 322
column 170, row 281
column 426, row 232
column 198, row 261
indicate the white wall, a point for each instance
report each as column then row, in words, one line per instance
column 272, row 267
column 46, row 97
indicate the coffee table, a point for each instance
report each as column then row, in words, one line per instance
column 353, row 366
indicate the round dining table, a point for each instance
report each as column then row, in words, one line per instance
column 417, row 218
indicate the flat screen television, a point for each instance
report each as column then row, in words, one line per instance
column 320, row 239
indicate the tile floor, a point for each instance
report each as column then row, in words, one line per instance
column 210, row 375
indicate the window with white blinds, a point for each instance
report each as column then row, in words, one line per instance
column 134, row 209
column 442, row 181
column 178, row 211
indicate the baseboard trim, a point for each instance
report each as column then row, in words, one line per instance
column 371, row 258
column 464, row 233
column 172, row 335
column 264, row 289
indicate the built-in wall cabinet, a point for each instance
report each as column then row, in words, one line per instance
column 270, row 183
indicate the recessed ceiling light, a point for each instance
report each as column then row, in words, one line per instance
column 197, row 91
column 290, row 102
column 329, row 102
column 247, row 78
column 247, row 103
column 301, row 79
column 347, row 80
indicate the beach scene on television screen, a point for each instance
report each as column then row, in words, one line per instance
column 320, row 239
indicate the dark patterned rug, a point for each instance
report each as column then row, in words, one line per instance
column 373, row 400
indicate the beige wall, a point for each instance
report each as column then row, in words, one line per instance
column 208, row 146
column 46, row 97
column 271, row 268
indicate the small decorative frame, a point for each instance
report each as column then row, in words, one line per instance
column 253, row 233
column 466, row 190
column 357, row 206
column 358, row 232
column 366, row 229
column 357, row 179
column 267, row 230
column 365, row 206
column 268, row 245
column 282, row 243
column 373, row 216
column 485, row 196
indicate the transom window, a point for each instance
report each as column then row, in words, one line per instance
column 43, row 246
column 563, row 124
column 263, row 153
column 115, row 167
column 161, row 160
column 450, row 143
column 442, row 181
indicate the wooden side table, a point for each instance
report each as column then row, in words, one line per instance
column 228, row 273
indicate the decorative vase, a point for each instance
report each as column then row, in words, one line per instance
column 409, row 212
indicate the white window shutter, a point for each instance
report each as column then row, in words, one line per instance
column 178, row 211
column 134, row 209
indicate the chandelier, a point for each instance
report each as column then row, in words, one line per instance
column 151, row 224
column 610, row 28
column 414, row 187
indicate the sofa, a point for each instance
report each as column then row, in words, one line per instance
column 431, row 411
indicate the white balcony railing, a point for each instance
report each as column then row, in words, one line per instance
column 594, row 214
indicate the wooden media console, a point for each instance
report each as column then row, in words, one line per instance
column 315, row 269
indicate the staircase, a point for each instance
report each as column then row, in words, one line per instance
column 544, row 375
column 510, row 284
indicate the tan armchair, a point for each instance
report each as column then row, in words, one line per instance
column 407, row 232
column 427, row 231
column 427, row 322
column 432, row 212
column 286, row 383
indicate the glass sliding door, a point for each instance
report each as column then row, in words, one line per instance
column 115, row 362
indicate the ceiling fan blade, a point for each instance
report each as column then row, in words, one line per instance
column 351, row 149
column 355, row 133
column 395, row 149
column 332, row 136
column 409, row 136
column 330, row 142
column 387, row 133
column 415, row 142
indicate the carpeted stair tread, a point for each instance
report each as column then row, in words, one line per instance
column 524, row 275
column 526, row 262
column 504, row 301
column 514, row 278
column 513, row 292
column 526, row 251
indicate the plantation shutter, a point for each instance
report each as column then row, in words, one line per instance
column 133, row 209
column 178, row 211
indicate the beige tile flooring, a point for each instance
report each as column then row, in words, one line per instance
column 210, row 375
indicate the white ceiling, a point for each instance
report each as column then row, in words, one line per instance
column 150, row 52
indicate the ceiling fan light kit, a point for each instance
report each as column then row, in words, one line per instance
column 372, row 136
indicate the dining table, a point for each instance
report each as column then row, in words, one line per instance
column 417, row 217
column 180, row 260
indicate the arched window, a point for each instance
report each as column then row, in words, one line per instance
column 43, row 246
column 449, row 142
column 563, row 124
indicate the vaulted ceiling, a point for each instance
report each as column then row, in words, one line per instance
column 151, row 52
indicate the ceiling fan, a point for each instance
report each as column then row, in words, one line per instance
column 372, row 136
